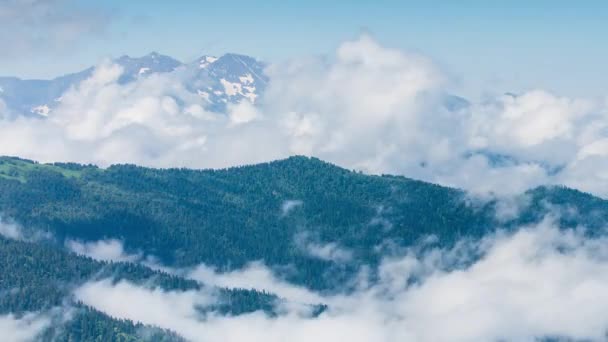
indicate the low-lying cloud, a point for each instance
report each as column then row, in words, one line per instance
column 25, row 328
column 10, row 231
column 290, row 205
column 13, row 231
column 330, row 251
column 104, row 250
column 152, row 305
column 537, row 282
column 254, row 276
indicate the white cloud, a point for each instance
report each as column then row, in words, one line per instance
column 177, row 310
column 510, row 208
column 362, row 109
column 329, row 252
column 10, row 231
column 14, row 231
column 105, row 250
column 367, row 107
column 24, row 328
column 290, row 205
column 144, row 122
column 242, row 113
column 325, row 251
column 253, row 276
column 537, row 282
column 521, row 122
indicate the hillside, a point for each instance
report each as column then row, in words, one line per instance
column 226, row 218
column 313, row 223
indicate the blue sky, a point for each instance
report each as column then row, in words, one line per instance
column 486, row 46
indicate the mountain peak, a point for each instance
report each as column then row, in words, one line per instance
column 145, row 65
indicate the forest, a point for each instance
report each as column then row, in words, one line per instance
column 283, row 214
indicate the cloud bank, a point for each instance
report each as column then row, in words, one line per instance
column 23, row 329
column 254, row 276
column 537, row 282
column 366, row 107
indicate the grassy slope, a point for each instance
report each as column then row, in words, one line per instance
column 17, row 169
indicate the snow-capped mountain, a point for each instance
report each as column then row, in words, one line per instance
column 230, row 78
column 218, row 80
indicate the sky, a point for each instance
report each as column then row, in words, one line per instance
column 485, row 46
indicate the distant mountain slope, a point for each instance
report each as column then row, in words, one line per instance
column 39, row 97
column 219, row 81
column 230, row 78
column 36, row 97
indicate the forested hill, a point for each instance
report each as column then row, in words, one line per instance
column 227, row 218
column 314, row 223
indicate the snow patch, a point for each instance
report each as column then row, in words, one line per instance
column 233, row 89
column 230, row 88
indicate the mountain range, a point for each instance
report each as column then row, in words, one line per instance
column 230, row 78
